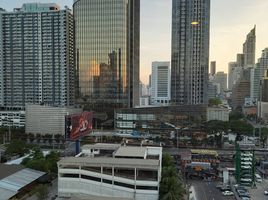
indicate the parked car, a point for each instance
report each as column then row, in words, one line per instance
column 265, row 192
column 246, row 159
column 246, row 179
column 227, row 193
column 246, row 163
column 242, row 193
column 245, row 167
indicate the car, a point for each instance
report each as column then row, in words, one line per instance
column 245, row 167
column 246, row 154
column 242, row 193
column 227, row 193
column 246, row 179
column 265, row 192
column 246, row 163
column 246, row 159
column 245, row 198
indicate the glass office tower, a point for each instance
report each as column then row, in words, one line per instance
column 190, row 51
column 107, row 52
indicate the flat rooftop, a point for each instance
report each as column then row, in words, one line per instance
column 128, row 151
column 109, row 162
column 101, row 146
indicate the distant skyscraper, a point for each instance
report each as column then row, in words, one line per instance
column 249, row 48
column 37, row 62
column 107, row 34
column 257, row 73
column 221, row 79
column 190, row 51
column 264, row 96
column 160, row 83
column 240, row 60
column 213, row 68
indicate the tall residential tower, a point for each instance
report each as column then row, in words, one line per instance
column 190, row 51
column 107, row 35
column 37, row 62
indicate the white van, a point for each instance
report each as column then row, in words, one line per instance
column 258, row 178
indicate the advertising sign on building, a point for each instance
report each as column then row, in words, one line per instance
column 78, row 125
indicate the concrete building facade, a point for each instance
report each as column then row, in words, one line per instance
column 44, row 119
column 160, row 83
column 129, row 173
column 249, row 48
column 190, row 51
column 218, row 113
column 257, row 73
column 221, row 79
column 213, row 68
column 37, row 61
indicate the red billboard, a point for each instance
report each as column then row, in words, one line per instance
column 78, row 125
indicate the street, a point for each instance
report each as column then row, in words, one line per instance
column 208, row 191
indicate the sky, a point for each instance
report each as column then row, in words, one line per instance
column 231, row 20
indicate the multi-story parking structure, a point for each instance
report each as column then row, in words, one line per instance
column 110, row 170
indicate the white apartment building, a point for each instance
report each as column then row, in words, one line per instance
column 160, row 83
column 112, row 171
column 217, row 113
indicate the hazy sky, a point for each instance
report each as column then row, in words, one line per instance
column 231, row 20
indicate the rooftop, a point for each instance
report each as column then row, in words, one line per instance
column 6, row 170
column 117, row 162
column 15, row 178
column 128, row 151
column 102, row 146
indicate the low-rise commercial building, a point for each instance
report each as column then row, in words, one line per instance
column 154, row 118
column 44, row 119
column 218, row 113
column 12, row 117
column 110, row 170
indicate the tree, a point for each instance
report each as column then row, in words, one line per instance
column 241, row 127
column 214, row 102
column 236, row 115
column 171, row 187
column 17, row 147
column 40, row 162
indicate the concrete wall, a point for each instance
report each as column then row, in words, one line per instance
column 42, row 119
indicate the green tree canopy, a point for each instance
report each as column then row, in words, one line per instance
column 17, row 147
column 214, row 102
column 171, row 187
column 40, row 162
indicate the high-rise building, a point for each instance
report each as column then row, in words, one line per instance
column 37, row 62
column 160, row 83
column 190, row 51
column 257, row 73
column 249, row 48
column 240, row 60
column 221, row 79
column 107, row 34
column 1, row 60
column 213, row 68
column 264, row 93
column 239, row 92
column 212, row 90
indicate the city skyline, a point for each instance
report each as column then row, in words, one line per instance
column 227, row 33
